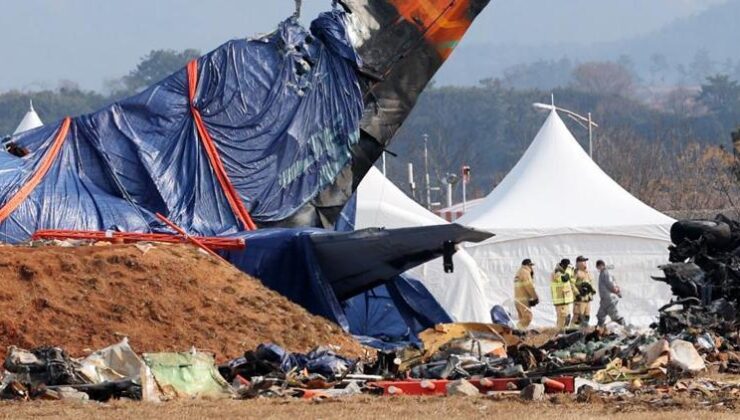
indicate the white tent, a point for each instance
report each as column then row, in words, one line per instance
column 381, row 204
column 557, row 203
column 30, row 121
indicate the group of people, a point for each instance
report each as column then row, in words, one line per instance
column 572, row 292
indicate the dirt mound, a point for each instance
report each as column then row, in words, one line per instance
column 168, row 298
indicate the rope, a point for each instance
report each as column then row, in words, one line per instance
column 237, row 206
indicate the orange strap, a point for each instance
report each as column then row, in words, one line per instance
column 232, row 196
column 36, row 178
column 189, row 238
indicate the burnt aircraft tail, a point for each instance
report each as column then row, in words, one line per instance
column 402, row 44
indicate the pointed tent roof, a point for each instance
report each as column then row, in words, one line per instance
column 556, row 185
column 30, row 121
column 381, row 203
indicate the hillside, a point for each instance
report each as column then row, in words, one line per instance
column 713, row 30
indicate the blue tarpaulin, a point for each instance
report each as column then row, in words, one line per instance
column 268, row 357
column 283, row 111
column 391, row 313
column 285, row 261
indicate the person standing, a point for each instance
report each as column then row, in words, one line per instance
column 584, row 293
column 610, row 295
column 525, row 296
column 561, row 289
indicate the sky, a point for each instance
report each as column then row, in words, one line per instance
column 91, row 41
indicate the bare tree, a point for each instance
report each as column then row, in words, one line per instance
column 671, row 177
column 683, row 102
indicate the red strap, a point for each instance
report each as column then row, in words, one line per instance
column 235, row 202
column 36, row 178
column 189, row 238
column 227, row 244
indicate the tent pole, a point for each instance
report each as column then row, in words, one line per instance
column 426, row 173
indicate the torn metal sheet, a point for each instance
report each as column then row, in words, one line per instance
column 704, row 275
column 113, row 363
column 168, row 376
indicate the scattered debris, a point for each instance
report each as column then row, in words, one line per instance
column 533, row 392
column 318, row 368
column 704, row 274
column 685, row 357
column 66, row 393
column 461, row 387
column 115, row 363
column 614, row 364
column 169, row 376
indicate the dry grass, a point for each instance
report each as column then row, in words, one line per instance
column 355, row 409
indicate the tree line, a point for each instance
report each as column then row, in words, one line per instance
column 657, row 150
column 69, row 99
column 655, row 71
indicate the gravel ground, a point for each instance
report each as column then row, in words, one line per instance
column 363, row 407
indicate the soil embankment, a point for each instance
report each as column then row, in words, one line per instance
column 167, row 298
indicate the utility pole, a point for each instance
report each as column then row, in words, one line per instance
column 465, row 179
column 449, row 194
column 427, row 185
column 412, row 184
column 579, row 119
column 450, row 180
column 465, row 197
column 298, row 6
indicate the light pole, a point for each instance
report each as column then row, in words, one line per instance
column 465, row 179
column 585, row 122
column 450, row 180
column 412, row 184
column 426, row 174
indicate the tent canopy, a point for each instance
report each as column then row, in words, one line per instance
column 557, row 203
column 555, row 184
column 381, row 204
column 30, row 121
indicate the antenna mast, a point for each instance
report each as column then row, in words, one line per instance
column 298, row 6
